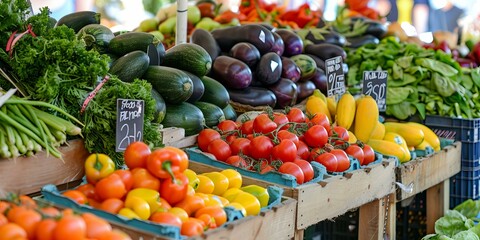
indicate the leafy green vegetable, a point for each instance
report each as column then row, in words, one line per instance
column 398, row 94
column 12, row 13
column 469, row 208
column 100, row 116
column 444, row 85
column 452, row 223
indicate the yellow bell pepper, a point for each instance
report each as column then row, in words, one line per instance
column 192, row 178
column 260, row 193
column 149, row 195
column 128, row 213
column 139, row 207
column 98, row 166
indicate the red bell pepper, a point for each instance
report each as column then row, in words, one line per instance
column 174, row 189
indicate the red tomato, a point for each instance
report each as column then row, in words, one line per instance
column 205, row 137
column 280, row 119
column 265, row 167
column 328, row 160
column 342, row 159
column 263, row 124
column 294, row 170
column 285, row 134
column 136, row 155
column 220, row 149
column 237, row 161
column 302, row 150
column 261, row 147
column 296, row 115
column 320, row 119
column 306, row 167
column 369, row 154
column 356, row 152
column 286, row 151
column 316, row 136
column 227, row 126
column 240, row 145
column 340, row 134
column 230, row 138
column 247, row 127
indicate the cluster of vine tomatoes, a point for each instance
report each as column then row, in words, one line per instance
column 284, row 141
column 22, row 218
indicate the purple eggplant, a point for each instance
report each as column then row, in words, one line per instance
column 232, row 72
column 285, row 91
column 253, row 96
column 320, row 80
column 293, row 43
column 325, row 51
column 246, row 52
column 305, row 89
column 278, row 46
column 255, row 34
column 269, row 69
column 290, row 70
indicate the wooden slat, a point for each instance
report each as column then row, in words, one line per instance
column 437, row 203
column 26, row 175
column 429, row 171
column 377, row 218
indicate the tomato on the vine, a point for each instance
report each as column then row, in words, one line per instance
column 316, row 136
column 205, row 137
column 320, row 119
column 328, row 160
column 340, row 133
column 342, row 159
column 306, row 167
column 237, row 161
column 246, row 128
column 302, row 150
column 285, row 134
column 285, row 151
column 261, row 147
column 368, row 154
column 356, row 152
column 296, row 115
column 294, row 170
column 227, row 126
column 230, row 138
column 263, row 124
column 240, row 145
column 220, row 149
column 280, row 119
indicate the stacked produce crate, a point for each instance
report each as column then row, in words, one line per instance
column 465, row 185
column 411, row 219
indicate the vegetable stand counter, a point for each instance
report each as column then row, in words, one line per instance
column 27, row 175
column 431, row 173
column 335, row 195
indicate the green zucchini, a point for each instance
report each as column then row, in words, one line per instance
column 160, row 107
column 215, row 92
column 189, row 57
column 173, row 84
column 78, row 20
column 130, row 66
column 229, row 113
column 184, row 115
column 131, row 41
column 96, row 36
column 212, row 113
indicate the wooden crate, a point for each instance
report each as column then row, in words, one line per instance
column 427, row 172
column 137, row 234
column 175, row 137
column 277, row 223
column 26, row 175
column 332, row 196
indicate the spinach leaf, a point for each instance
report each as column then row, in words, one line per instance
column 398, row 94
column 436, row 237
column 401, row 111
column 421, row 109
column 466, row 81
column 397, row 72
column 469, row 208
column 470, row 235
column 475, row 74
column 452, row 223
column 405, row 61
column 437, row 66
column 444, row 85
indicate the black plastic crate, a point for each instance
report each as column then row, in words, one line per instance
column 343, row 227
column 465, row 130
column 465, row 187
column 412, row 219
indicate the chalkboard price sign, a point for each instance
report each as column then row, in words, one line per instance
column 130, row 114
column 375, row 85
column 335, row 76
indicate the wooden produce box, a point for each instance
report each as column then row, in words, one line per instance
column 332, row 196
column 425, row 172
column 175, row 137
column 276, row 223
column 27, row 175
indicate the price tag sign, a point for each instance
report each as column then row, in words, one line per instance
column 130, row 114
column 375, row 85
column 335, row 77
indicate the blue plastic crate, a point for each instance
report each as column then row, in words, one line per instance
column 456, row 200
column 471, row 150
column 465, row 130
column 470, row 163
column 469, row 173
column 465, row 187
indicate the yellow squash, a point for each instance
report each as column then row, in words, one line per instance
column 396, row 138
column 316, row 105
column 412, row 134
column 378, row 132
column 332, row 107
column 430, row 136
column 351, row 137
column 388, row 148
column 345, row 111
column 423, row 146
column 366, row 118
